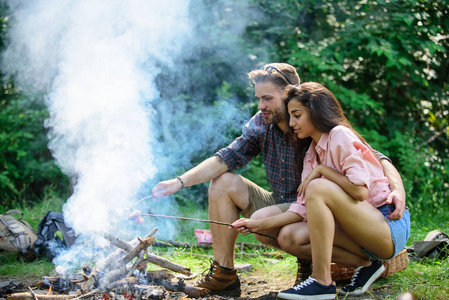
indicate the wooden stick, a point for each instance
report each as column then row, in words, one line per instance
column 165, row 263
column 29, row 296
column 206, row 221
column 239, row 245
column 127, row 247
column 32, row 293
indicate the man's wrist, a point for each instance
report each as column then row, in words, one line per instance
column 180, row 180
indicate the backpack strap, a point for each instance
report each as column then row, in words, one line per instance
column 21, row 239
column 15, row 211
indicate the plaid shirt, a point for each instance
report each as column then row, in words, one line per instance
column 278, row 156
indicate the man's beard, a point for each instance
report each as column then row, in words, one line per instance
column 277, row 116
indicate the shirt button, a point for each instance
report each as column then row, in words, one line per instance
column 282, row 197
column 282, row 178
column 283, row 160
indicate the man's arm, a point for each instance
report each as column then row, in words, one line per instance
column 397, row 195
column 205, row 171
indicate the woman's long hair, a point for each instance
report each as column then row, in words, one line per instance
column 325, row 113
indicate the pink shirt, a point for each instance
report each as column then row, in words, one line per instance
column 341, row 150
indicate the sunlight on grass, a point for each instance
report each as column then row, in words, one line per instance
column 428, row 279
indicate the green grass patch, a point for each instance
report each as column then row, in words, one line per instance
column 426, row 279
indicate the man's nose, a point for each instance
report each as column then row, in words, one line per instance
column 261, row 105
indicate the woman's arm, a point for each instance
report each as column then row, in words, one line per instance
column 397, row 195
column 358, row 192
column 246, row 226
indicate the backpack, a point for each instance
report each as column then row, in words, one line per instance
column 53, row 236
column 16, row 236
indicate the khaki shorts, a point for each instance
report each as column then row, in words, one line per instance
column 260, row 198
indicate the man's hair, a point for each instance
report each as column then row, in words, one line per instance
column 280, row 74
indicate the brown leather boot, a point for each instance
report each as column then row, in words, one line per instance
column 221, row 282
column 304, row 271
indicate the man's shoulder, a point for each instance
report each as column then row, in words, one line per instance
column 257, row 122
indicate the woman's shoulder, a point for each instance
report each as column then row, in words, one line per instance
column 342, row 131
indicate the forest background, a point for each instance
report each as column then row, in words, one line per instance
column 386, row 61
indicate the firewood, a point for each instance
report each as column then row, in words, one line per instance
column 32, row 293
column 165, row 263
column 30, row 296
column 142, row 246
column 159, row 275
column 195, row 292
column 180, row 286
column 138, row 263
column 154, row 259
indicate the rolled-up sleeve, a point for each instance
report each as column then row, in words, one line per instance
column 299, row 207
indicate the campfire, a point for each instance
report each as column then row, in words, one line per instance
column 121, row 275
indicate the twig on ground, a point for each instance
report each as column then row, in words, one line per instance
column 32, row 293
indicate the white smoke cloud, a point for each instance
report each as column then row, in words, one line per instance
column 97, row 63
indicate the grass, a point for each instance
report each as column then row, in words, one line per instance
column 426, row 279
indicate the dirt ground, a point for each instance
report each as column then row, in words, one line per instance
column 254, row 286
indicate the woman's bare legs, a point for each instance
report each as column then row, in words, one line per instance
column 327, row 204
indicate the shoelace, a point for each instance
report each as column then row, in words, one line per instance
column 304, row 283
column 354, row 277
column 209, row 274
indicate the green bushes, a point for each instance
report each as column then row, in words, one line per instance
column 385, row 61
column 27, row 170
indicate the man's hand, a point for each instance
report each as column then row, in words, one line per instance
column 398, row 200
column 166, row 188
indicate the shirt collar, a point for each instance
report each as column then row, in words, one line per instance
column 276, row 128
column 324, row 139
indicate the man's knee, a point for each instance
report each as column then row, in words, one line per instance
column 224, row 184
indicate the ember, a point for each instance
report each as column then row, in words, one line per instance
column 116, row 278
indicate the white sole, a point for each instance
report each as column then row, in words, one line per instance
column 288, row 296
column 363, row 289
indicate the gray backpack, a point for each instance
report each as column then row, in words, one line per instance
column 17, row 237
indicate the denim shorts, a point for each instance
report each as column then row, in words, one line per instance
column 400, row 230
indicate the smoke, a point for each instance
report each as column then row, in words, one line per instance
column 124, row 95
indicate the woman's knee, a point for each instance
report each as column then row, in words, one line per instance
column 294, row 237
column 266, row 212
column 319, row 187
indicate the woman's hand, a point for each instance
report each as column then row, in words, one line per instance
column 316, row 173
column 246, row 226
column 397, row 199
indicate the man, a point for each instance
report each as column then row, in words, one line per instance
column 231, row 194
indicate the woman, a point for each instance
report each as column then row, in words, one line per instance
column 342, row 197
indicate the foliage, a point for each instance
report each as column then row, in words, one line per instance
column 427, row 279
column 27, row 169
column 386, row 61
